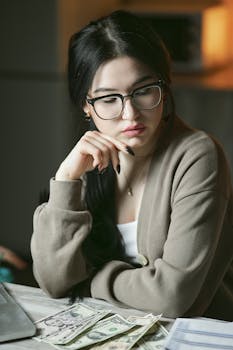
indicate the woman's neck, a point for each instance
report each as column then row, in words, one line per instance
column 130, row 186
column 130, row 163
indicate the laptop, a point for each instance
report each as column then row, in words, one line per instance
column 14, row 322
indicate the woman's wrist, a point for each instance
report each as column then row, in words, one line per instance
column 63, row 175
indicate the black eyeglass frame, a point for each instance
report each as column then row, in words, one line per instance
column 160, row 83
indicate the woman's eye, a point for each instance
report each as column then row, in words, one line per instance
column 144, row 91
column 109, row 100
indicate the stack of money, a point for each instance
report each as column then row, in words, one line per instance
column 82, row 326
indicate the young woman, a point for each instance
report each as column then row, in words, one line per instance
column 140, row 212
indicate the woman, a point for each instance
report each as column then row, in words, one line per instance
column 140, row 211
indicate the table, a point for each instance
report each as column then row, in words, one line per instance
column 38, row 305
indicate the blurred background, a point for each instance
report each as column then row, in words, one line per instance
column 38, row 124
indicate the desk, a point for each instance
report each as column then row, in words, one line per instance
column 38, row 305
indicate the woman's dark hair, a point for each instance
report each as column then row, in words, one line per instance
column 119, row 34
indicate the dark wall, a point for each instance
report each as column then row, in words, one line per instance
column 209, row 109
column 34, row 113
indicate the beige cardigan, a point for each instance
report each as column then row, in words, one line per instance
column 185, row 234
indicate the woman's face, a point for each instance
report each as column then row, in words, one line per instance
column 135, row 127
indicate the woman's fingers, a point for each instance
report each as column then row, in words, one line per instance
column 114, row 146
column 121, row 146
column 108, row 151
column 94, row 149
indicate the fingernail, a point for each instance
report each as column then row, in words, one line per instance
column 118, row 168
column 130, row 151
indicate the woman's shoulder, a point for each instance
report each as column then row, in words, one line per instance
column 196, row 155
column 191, row 140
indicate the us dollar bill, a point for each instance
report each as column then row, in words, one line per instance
column 64, row 326
column 101, row 331
column 97, row 304
column 154, row 339
column 129, row 339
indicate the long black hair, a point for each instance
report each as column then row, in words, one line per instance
column 119, row 34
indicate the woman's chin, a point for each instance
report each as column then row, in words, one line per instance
column 135, row 142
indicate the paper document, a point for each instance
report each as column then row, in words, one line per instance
column 200, row 334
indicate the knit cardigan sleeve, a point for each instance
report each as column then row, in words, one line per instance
column 60, row 227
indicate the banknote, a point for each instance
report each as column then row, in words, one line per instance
column 66, row 325
column 129, row 339
column 144, row 320
column 154, row 339
column 101, row 331
column 100, row 304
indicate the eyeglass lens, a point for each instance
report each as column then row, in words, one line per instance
column 110, row 107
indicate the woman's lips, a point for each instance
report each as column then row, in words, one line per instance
column 134, row 130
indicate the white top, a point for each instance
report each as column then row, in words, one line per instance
column 129, row 236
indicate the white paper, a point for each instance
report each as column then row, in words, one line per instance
column 200, row 334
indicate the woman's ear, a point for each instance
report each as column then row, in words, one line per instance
column 87, row 110
column 87, row 113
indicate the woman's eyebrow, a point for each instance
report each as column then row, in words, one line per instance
column 102, row 89
column 137, row 81
column 142, row 79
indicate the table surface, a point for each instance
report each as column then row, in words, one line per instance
column 38, row 305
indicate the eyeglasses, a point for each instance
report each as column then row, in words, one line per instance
column 111, row 106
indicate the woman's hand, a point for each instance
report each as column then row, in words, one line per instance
column 94, row 149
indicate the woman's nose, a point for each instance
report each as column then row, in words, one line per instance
column 130, row 112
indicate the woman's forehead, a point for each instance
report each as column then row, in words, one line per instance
column 120, row 73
